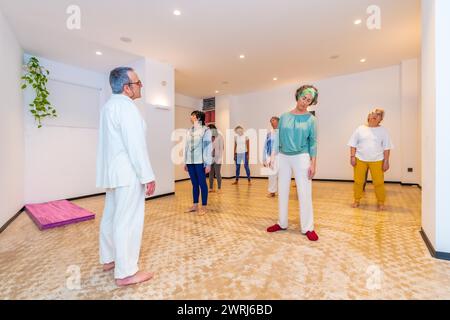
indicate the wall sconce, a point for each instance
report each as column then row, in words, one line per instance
column 161, row 107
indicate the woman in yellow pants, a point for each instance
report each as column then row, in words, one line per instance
column 370, row 148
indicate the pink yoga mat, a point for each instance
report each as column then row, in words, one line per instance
column 57, row 213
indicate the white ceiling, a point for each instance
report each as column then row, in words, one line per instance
column 290, row 39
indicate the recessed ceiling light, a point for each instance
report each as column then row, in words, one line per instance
column 357, row 22
column 99, row 53
column 242, row 56
column 275, row 79
column 217, row 91
column 177, row 12
column 363, row 60
column 125, row 39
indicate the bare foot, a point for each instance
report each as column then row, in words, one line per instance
column 192, row 209
column 138, row 277
column 381, row 207
column 355, row 205
column 108, row 266
column 212, row 191
column 271, row 195
column 235, row 183
column 202, row 211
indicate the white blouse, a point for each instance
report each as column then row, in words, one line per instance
column 370, row 143
column 241, row 143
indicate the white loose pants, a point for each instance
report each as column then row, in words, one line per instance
column 273, row 184
column 121, row 228
column 273, row 177
column 299, row 164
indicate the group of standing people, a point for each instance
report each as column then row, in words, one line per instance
column 124, row 169
column 291, row 148
column 203, row 154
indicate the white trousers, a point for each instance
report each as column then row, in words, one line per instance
column 273, row 183
column 273, row 177
column 298, row 164
column 121, row 228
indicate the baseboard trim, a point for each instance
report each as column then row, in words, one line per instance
column 331, row 180
column 435, row 254
column 87, row 196
column 411, row 185
column 103, row 193
column 181, row 180
column 160, row 196
column 3, row 228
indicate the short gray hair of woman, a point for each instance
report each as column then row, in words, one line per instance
column 377, row 111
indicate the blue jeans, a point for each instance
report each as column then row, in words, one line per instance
column 198, row 179
column 242, row 157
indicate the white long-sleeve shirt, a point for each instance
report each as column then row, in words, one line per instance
column 217, row 149
column 122, row 150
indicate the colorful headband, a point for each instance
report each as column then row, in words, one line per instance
column 310, row 91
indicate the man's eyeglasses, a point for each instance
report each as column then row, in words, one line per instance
column 139, row 83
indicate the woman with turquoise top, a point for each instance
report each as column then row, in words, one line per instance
column 297, row 146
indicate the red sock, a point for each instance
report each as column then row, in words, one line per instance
column 312, row 236
column 275, row 228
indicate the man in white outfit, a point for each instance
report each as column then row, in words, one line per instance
column 124, row 170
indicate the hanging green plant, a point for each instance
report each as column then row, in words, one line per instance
column 36, row 77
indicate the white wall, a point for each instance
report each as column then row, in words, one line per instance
column 419, row 129
column 182, row 122
column 428, row 121
column 60, row 160
column 11, row 130
column 442, row 125
column 159, row 90
column 188, row 102
column 410, row 124
column 223, row 123
column 344, row 103
column 435, row 127
column 184, row 105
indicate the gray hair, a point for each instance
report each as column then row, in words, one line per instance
column 118, row 78
column 377, row 111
